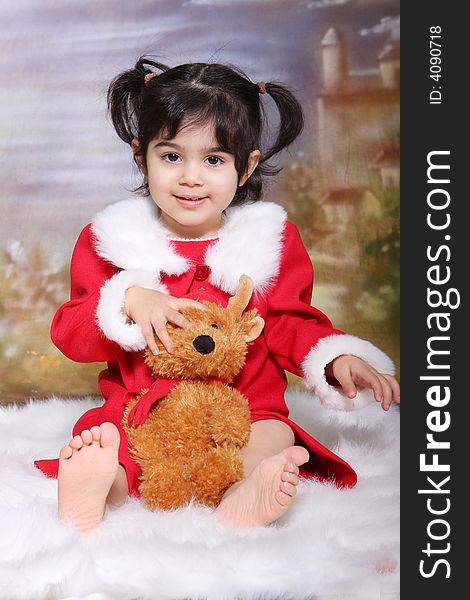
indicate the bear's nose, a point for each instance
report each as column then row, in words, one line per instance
column 204, row 344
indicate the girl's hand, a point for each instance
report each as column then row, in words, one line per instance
column 350, row 371
column 151, row 311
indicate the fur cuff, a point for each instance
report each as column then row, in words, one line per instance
column 110, row 315
column 313, row 368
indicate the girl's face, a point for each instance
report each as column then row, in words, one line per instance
column 191, row 180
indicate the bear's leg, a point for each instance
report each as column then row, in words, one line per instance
column 228, row 417
column 214, row 473
column 166, row 482
column 172, row 481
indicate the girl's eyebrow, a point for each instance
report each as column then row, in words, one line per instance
column 178, row 147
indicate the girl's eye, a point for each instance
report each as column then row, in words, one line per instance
column 216, row 159
column 171, row 157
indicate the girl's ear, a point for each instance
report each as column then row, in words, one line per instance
column 135, row 145
column 253, row 161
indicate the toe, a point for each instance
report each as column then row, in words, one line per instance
column 283, row 498
column 96, row 433
column 290, row 477
column 288, row 488
column 76, row 443
column 291, row 468
column 86, row 437
column 295, row 456
column 109, row 435
column 298, row 455
column 66, row 452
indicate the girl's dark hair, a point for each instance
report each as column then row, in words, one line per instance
column 201, row 93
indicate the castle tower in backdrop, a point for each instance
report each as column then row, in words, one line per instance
column 358, row 113
column 334, row 62
column 389, row 60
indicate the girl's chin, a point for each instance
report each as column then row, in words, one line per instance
column 192, row 223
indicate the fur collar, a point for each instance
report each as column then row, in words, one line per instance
column 130, row 235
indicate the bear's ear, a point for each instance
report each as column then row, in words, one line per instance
column 256, row 327
column 240, row 301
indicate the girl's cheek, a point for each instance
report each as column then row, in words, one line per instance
column 161, row 177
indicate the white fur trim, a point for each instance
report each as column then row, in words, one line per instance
column 331, row 347
column 130, row 235
column 110, row 315
column 250, row 242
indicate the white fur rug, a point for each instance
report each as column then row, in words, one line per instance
column 328, row 545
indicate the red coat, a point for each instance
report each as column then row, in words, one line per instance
column 256, row 240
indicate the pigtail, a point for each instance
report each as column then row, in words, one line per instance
column 125, row 97
column 290, row 126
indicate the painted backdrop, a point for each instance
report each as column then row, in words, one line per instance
column 61, row 161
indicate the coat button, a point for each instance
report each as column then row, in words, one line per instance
column 202, row 272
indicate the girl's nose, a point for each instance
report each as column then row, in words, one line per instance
column 190, row 175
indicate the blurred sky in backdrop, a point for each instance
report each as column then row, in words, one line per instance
column 60, row 159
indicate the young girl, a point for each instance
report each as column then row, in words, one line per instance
column 195, row 131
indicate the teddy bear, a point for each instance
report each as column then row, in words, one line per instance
column 187, row 431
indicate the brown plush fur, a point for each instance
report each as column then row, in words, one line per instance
column 190, row 445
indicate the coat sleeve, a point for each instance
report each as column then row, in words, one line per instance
column 301, row 338
column 92, row 326
column 74, row 328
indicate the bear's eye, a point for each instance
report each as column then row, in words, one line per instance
column 215, row 326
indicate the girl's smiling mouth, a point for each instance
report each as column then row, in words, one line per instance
column 191, row 200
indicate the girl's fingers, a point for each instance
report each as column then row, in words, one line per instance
column 185, row 302
column 371, row 380
column 395, row 388
column 346, row 382
column 162, row 334
column 351, row 372
column 376, row 385
column 178, row 319
column 387, row 393
column 147, row 332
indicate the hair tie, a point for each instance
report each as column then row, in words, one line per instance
column 149, row 77
column 262, row 87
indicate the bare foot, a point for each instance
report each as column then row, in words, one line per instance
column 266, row 493
column 87, row 469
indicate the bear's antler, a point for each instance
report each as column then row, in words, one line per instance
column 239, row 302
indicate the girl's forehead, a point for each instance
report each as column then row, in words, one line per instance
column 194, row 135
column 195, row 130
